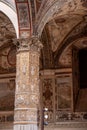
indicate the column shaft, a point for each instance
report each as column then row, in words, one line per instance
column 27, row 86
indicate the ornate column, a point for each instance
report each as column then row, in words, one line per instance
column 27, row 84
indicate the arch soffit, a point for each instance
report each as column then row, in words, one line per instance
column 11, row 14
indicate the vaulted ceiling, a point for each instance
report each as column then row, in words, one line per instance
column 62, row 30
column 56, row 23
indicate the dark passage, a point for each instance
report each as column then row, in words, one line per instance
column 83, row 68
column 81, row 100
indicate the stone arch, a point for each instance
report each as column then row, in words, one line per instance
column 26, row 14
column 65, row 57
column 79, row 31
column 8, row 12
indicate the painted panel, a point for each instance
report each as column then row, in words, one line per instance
column 23, row 13
column 47, row 93
column 63, row 84
column 7, row 96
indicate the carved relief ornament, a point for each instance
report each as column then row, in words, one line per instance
column 32, row 44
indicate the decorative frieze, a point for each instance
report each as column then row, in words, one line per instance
column 64, row 116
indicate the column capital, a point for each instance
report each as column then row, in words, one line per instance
column 22, row 44
column 33, row 43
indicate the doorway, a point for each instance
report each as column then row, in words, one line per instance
column 80, row 80
column 83, row 68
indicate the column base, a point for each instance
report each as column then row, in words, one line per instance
column 26, row 127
